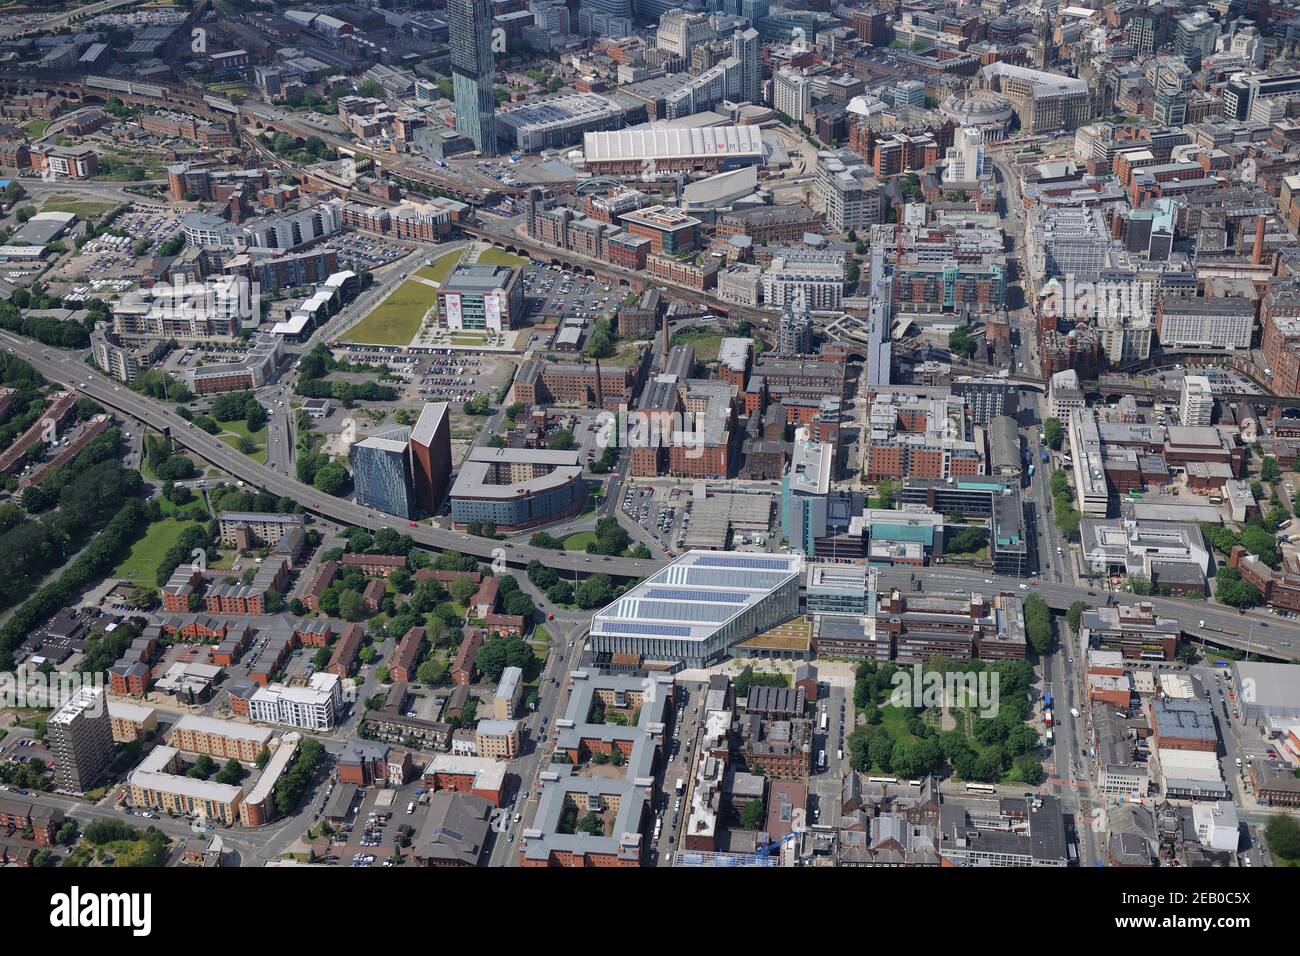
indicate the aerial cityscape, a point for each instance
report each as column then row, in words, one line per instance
column 631, row 433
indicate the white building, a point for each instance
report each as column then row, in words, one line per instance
column 964, row 159
column 1216, row 825
column 1187, row 322
column 314, row 707
column 818, row 276
column 791, row 93
column 1064, row 394
column 1196, row 403
column 679, row 31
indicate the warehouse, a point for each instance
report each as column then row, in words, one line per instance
column 1267, row 691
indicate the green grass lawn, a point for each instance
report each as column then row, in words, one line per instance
column 499, row 257
column 36, row 128
column 237, row 430
column 141, row 564
column 396, row 320
column 82, row 208
column 441, row 266
column 706, row 344
column 579, row 541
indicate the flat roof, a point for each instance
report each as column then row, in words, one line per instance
column 697, row 594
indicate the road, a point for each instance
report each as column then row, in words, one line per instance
column 72, row 372
column 552, row 698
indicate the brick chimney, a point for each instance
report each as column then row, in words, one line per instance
column 1258, row 255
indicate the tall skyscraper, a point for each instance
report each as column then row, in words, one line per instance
column 469, row 30
column 747, row 47
column 381, row 474
column 81, row 738
column 431, row 456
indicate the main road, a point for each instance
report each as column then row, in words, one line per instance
column 69, row 370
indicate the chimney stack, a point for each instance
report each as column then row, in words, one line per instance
column 1258, row 256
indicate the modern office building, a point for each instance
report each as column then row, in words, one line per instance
column 469, row 30
column 381, row 474
column 692, row 612
column 481, row 298
column 80, row 735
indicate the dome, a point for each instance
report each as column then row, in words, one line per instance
column 977, row 108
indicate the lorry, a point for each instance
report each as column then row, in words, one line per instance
column 681, row 785
column 1047, row 717
column 1047, row 699
column 1221, row 630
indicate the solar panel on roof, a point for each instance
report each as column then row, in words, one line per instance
column 681, row 594
column 632, row 627
column 722, row 561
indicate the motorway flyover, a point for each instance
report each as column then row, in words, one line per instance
column 1256, row 631
column 69, row 370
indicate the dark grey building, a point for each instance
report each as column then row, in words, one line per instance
column 469, row 30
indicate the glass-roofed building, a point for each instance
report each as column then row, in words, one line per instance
column 693, row 611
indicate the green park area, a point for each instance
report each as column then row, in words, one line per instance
column 141, row 564
column 79, row 207
column 579, row 541
column 440, row 267
column 706, row 344
column 499, row 257
column 396, row 320
column 237, row 436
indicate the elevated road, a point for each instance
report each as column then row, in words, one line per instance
column 74, row 374
column 1256, row 631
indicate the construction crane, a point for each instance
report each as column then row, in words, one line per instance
column 767, row 848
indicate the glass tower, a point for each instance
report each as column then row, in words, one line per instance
column 469, row 30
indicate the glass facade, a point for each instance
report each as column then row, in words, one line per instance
column 469, row 31
column 381, row 474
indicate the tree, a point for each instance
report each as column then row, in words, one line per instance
column 752, row 817
column 1231, row 590
column 1054, row 432
column 960, row 343
column 432, row 672
column 1268, row 469
column 331, row 479
column 544, row 540
column 351, row 606
column 1038, row 623
column 462, row 589
column 1074, row 616
column 1283, row 834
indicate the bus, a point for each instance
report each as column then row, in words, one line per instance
column 825, row 721
column 821, row 760
column 980, row 788
column 882, row 780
